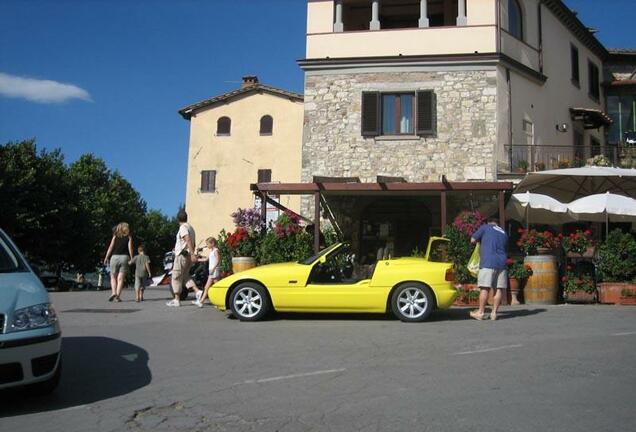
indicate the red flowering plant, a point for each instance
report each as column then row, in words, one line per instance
column 573, row 282
column 468, row 222
column 287, row 224
column 518, row 270
column 577, row 242
column 245, row 238
column 530, row 240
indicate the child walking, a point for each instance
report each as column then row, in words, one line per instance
column 214, row 272
column 142, row 272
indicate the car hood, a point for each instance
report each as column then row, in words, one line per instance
column 20, row 290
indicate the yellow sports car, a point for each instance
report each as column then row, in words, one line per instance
column 329, row 282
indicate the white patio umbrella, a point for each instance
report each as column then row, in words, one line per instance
column 603, row 208
column 537, row 208
column 571, row 183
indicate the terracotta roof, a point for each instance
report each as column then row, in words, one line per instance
column 190, row 110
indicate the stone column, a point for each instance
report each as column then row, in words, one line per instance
column 461, row 13
column 338, row 26
column 423, row 22
column 375, row 15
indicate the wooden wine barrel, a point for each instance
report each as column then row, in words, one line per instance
column 242, row 263
column 543, row 285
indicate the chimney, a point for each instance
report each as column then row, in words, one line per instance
column 249, row 80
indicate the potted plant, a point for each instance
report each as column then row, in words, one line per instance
column 563, row 163
column 460, row 249
column 577, row 244
column 285, row 240
column 628, row 296
column 522, row 166
column 577, row 288
column 518, row 272
column 243, row 242
column 617, row 270
column 225, row 250
column 539, row 166
column 534, row 242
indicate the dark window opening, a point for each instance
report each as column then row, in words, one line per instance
column 595, row 147
column 267, row 125
column 574, row 55
column 223, row 126
column 264, row 176
column 594, row 83
column 515, row 19
column 356, row 15
column 399, row 14
column 208, row 181
column 442, row 13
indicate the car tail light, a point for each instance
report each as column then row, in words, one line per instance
column 450, row 275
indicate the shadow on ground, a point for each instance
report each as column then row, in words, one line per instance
column 452, row 314
column 94, row 369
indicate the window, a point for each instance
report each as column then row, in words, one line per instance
column 264, row 176
column 574, row 56
column 398, row 113
column 223, row 126
column 267, row 124
column 515, row 19
column 208, row 181
column 593, row 79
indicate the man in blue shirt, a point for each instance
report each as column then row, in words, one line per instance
column 493, row 272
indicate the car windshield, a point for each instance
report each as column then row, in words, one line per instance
column 439, row 251
column 318, row 255
column 9, row 260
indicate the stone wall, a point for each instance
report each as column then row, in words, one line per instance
column 463, row 148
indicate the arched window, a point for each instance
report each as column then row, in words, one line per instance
column 515, row 19
column 223, row 126
column 267, row 124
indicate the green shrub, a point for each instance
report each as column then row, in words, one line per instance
column 617, row 257
column 275, row 249
column 459, row 251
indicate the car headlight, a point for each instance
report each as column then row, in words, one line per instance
column 32, row 317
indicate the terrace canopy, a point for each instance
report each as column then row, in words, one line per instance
column 344, row 201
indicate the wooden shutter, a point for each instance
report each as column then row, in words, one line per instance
column 370, row 114
column 267, row 124
column 426, row 113
column 208, row 181
column 264, row 176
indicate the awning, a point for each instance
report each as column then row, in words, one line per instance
column 591, row 118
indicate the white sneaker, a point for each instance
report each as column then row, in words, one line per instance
column 173, row 303
column 199, row 295
column 197, row 303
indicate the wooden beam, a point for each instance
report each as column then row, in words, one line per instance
column 502, row 209
column 264, row 208
column 310, row 188
column 317, row 222
column 443, row 211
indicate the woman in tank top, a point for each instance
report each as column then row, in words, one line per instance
column 120, row 252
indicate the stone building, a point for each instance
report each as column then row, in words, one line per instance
column 620, row 84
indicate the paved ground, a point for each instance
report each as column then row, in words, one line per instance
column 142, row 367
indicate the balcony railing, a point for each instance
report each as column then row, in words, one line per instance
column 520, row 158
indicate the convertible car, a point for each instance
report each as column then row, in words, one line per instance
column 411, row 288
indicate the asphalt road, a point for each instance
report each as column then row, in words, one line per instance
column 143, row 367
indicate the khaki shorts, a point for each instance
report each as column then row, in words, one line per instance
column 119, row 264
column 491, row 278
column 181, row 273
column 140, row 282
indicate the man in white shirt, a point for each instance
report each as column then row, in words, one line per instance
column 184, row 256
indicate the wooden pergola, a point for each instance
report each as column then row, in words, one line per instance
column 352, row 188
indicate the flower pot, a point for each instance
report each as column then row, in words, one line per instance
column 610, row 292
column 514, row 287
column 242, row 263
column 589, row 253
column 579, row 297
column 463, row 300
column 544, row 251
column 630, row 300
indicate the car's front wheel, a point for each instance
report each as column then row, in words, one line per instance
column 249, row 302
column 412, row 302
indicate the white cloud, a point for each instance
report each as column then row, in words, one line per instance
column 41, row 91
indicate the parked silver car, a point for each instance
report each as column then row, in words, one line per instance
column 30, row 335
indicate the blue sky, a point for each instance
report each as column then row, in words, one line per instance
column 130, row 65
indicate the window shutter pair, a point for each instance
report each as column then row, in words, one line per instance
column 426, row 113
column 208, row 181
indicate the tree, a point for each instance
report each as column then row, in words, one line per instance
column 157, row 234
column 39, row 204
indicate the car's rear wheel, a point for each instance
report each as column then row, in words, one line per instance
column 412, row 302
column 249, row 302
